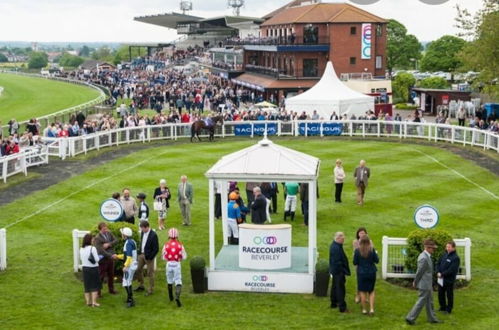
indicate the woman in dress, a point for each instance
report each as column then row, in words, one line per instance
column 366, row 258
column 90, row 263
column 361, row 232
column 162, row 194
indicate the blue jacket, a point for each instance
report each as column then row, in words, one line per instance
column 365, row 265
column 448, row 266
column 338, row 261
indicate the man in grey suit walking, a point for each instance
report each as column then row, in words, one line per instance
column 424, row 283
column 361, row 175
column 185, row 193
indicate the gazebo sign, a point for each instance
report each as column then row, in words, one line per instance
column 426, row 217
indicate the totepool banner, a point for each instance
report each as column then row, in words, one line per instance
column 317, row 128
column 366, row 41
column 264, row 246
column 255, row 129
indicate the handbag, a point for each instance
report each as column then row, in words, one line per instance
column 91, row 257
column 158, row 205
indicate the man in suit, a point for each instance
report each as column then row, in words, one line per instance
column 185, row 194
column 448, row 267
column 424, row 282
column 104, row 242
column 339, row 269
column 258, row 207
column 361, row 175
column 148, row 249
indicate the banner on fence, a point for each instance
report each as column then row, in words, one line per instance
column 256, row 129
column 316, row 128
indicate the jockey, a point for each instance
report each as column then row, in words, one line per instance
column 208, row 121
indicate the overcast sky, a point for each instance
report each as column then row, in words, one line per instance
column 112, row 20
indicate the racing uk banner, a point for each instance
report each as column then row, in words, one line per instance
column 258, row 129
column 366, row 41
column 315, row 128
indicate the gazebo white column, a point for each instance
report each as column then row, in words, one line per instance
column 312, row 224
column 223, row 196
column 211, row 208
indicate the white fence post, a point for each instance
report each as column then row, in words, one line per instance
column 467, row 258
column 3, row 249
column 384, row 257
column 77, row 234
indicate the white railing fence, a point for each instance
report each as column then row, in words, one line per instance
column 77, row 236
column 72, row 146
column 394, row 255
column 3, row 249
column 19, row 162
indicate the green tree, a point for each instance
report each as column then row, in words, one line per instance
column 124, row 53
column 443, row 54
column 3, row 58
column 434, row 83
column 401, row 86
column 402, row 48
column 84, row 51
column 481, row 54
column 103, row 54
column 68, row 60
column 37, row 60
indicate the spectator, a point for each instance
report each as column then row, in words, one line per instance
column 129, row 206
column 149, row 248
column 258, row 207
column 365, row 258
column 339, row 177
column 104, row 243
column 185, row 194
column 339, row 269
column 90, row 269
column 162, row 194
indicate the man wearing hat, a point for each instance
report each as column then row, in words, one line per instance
column 424, row 282
column 143, row 207
column 130, row 257
column 173, row 254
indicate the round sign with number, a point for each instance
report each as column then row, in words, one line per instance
column 426, row 217
column 111, row 210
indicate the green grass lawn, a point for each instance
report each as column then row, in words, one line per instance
column 26, row 97
column 40, row 290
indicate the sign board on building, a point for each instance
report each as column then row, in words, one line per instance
column 111, row 210
column 264, row 246
column 426, row 216
column 366, row 41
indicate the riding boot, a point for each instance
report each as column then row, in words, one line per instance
column 286, row 213
column 229, row 240
column 178, row 289
column 130, row 301
column 292, row 216
column 235, row 241
column 170, row 292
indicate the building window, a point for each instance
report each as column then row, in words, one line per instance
column 310, row 34
column 353, row 30
column 310, row 67
column 353, row 60
column 379, row 62
column 379, row 30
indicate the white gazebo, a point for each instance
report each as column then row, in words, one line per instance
column 263, row 162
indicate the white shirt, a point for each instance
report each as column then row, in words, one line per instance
column 339, row 174
column 144, row 241
column 85, row 253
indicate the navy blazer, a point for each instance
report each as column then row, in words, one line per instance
column 365, row 265
column 448, row 266
column 338, row 261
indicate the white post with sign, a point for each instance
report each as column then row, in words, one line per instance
column 264, row 246
column 111, row 210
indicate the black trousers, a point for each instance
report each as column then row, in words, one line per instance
column 338, row 292
column 460, row 122
column 273, row 198
column 446, row 291
column 304, row 211
column 337, row 192
column 218, row 205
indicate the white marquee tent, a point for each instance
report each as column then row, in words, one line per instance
column 331, row 95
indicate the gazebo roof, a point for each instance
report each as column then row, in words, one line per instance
column 266, row 161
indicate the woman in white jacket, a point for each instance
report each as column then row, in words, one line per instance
column 90, row 262
column 339, row 177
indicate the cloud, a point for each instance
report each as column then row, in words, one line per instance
column 112, row 20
